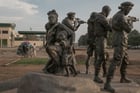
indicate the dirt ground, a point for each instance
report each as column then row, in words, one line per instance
column 14, row 71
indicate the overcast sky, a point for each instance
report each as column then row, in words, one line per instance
column 32, row 13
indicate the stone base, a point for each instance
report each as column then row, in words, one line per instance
column 43, row 83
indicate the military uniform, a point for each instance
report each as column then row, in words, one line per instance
column 73, row 25
column 120, row 58
column 67, row 53
column 101, row 27
column 91, row 40
column 91, row 43
column 120, row 32
column 53, row 48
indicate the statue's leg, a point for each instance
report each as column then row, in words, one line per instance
column 104, row 65
column 117, row 61
column 100, row 56
column 48, row 66
column 73, row 61
column 104, row 68
column 55, row 58
column 74, row 70
column 89, row 54
column 123, row 68
column 67, row 71
column 87, row 63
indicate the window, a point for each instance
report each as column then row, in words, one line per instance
column 4, row 32
column 3, row 43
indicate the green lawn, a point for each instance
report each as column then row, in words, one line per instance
column 34, row 61
column 81, row 62
column 37, row 61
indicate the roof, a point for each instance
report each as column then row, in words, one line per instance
column 31, row 32
column 13, row 25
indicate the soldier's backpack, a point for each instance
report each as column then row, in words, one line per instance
column 91, row 33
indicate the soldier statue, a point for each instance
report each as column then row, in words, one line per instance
column 52, row 27
column 64, row 40
column 121, row 28
column 90, row 41
column 101, row 28
column 59, row 39
column 91, row 45
column 54, row 64
column 73, row 24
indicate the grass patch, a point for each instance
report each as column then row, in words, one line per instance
column 37, row 61
column 81, row 62
column 33, row 61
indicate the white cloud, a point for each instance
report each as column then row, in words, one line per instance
column 19, row 5
column 4, row 18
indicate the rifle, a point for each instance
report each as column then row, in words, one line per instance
column 131, row 19
column 80, row 21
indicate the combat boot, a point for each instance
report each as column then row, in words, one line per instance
column 96, row 78
column 108, row 87
column 125, row 80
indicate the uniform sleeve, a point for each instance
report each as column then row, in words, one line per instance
column 103, row 21
column 124, row 24
column 67, row 23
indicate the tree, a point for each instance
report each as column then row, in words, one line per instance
column 134, row 38
column 83, row 40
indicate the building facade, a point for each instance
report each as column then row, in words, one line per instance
column 7, row 31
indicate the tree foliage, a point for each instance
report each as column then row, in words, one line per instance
column 134, row 38
column 83, row 40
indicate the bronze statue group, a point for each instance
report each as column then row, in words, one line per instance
column 60, row 38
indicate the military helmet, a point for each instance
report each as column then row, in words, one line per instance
column 126, row 4
column 106, row 8
column 52, row 12
column 71, row 13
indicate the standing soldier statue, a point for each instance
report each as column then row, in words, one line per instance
column 91, row 40
column 121, row 28
column 91, row 45
column 101, row 27
column 73, row 24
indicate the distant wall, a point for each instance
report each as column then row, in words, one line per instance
column 38, row 43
